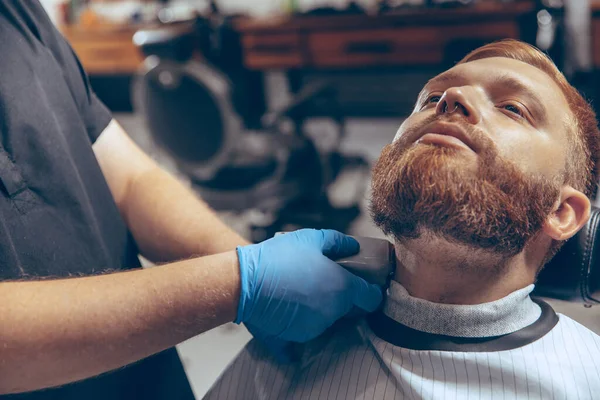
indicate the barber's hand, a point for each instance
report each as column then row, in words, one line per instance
column 292, row 291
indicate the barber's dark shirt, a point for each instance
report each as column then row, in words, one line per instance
column 57, row 215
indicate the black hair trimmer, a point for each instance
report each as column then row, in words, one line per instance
column 375, row 262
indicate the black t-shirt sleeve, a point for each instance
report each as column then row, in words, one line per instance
column 94, row 113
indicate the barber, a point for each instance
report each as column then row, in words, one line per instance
column 79, row 201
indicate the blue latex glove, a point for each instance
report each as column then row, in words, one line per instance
column 292, row 291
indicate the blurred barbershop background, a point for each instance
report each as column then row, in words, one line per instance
column 274, row 110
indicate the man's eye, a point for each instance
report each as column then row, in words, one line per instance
column 434, row 99
column 513, row 109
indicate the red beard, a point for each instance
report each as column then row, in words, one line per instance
column 493, row 206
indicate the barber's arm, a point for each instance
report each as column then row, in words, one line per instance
column 166, row 219
column 54, row 332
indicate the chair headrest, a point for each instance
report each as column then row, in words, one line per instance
column 574, row 273
column 189, row 114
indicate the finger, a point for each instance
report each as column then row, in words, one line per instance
column 335, row 244
column 366, row 295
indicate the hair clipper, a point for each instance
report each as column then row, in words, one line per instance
column 375, row 262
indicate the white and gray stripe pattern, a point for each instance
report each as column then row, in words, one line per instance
column 564, row 364
column 351, row 362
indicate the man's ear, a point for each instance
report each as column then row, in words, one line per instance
column 571, row 213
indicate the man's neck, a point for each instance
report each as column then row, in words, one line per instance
column 433, row 269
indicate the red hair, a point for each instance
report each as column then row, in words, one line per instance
column 582, row 166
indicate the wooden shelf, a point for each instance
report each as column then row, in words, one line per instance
column 105, row 49
column 418, row 36
column 410, row 16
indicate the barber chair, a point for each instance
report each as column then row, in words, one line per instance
column 574, row 273
column 193, row 111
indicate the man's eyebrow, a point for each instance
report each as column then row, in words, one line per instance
column 446, row 77
column 510, row 83
column 443, row 79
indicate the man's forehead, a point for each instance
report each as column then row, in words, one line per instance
column 488, row 69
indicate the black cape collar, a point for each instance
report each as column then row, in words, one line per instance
column 402, row 336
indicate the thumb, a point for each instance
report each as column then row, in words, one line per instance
column 335, row 244
column 366, row 295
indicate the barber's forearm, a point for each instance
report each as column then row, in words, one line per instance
column 169, row 222
column 60, row 331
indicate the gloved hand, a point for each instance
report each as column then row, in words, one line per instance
column 292, row 291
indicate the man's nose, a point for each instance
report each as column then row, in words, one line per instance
column 459, row 100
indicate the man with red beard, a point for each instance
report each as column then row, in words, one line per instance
column 484, row 181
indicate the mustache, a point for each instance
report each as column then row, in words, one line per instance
column 479, row 138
